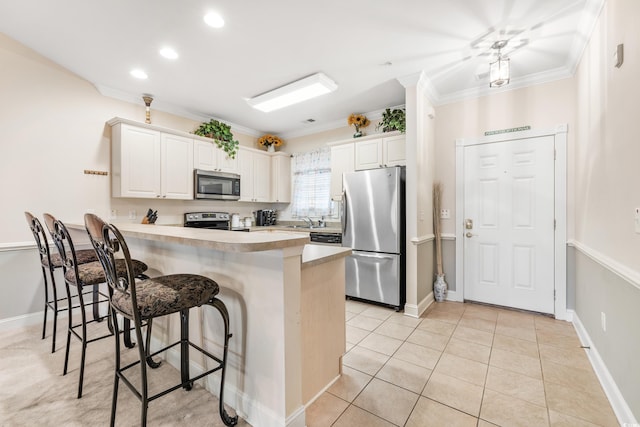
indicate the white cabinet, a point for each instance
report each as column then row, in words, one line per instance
column 207, row 156
column 255, row 175
column 147, row 163
column 380, row 152
column 281, row 178
column 342, row 161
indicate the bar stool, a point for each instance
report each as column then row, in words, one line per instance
column 81, row 276
column 49, row 263
column 149, row 299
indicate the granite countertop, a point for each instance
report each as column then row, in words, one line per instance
column 221, row 240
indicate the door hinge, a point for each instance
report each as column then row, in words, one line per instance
column 554, row 154
column 554, row 224
column 554, row 294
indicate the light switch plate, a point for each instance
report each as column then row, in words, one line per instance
column 636, row 220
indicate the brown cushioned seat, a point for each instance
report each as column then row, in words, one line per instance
column 83, row 256
column 92, row 273
column 167, row 294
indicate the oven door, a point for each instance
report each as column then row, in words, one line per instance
column 216, row 185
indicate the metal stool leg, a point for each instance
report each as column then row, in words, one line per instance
column 222, row 309
column 184, row 350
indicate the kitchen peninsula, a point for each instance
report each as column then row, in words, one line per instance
column 286, row 306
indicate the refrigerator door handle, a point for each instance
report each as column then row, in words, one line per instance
column 376, row 255
column 344, row 212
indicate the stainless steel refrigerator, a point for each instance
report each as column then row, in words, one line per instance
column 373, row 226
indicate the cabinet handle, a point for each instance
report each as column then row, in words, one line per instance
column 157, row 195
column 164, row 197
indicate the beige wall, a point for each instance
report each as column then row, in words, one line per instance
column 608, row 148
column 53, row 128
column 542, row 107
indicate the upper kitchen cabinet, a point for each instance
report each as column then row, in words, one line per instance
column 255, row 175
column 281, row 177
column 206, row 155
column 148, row 163
column 342, row 161
column 380, row 152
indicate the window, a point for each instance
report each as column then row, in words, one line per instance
column 311, row 183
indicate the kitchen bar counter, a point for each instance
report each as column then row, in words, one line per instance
column 286, row 302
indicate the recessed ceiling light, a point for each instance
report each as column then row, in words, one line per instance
column 213, row 19
column 139, row 74
column 169, row 53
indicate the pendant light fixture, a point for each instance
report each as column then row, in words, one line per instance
column 499, row 74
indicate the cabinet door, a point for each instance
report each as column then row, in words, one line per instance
column 226, row 163
column 342, row 161
column 261, row 177
column 177, row 167
column 139, row 162
column 394, row 151
column 204, row 155
column 368, row 154
column 281, row 178
column 245, row 160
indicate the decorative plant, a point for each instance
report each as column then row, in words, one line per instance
column 269, row 140
column 393, row 120
column 221, row 134
column 359, row 121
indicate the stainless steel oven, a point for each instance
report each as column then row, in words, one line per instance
column 216, row 185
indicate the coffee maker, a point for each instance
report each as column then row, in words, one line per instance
column 265, row 217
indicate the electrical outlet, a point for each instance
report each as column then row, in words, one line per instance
column 132, row 214
column 114, row 213
column 603, row 321
column 445, row 214
column 421, row 215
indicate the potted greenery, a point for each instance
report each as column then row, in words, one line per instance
column 393, row 120
column 221, row 134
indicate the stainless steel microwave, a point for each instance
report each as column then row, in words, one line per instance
column 216, row 185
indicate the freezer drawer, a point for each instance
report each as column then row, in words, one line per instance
column 374, row 277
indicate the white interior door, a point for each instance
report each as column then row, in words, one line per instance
column 509, row 223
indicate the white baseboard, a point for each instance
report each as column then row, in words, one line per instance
column 454, row 296
column 248, row 409
column 619, row 405
column 416, row 310
column 23, row 321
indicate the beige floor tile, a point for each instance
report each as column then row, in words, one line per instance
column 350, row 384
column 558, row 340
column 381, row 343
column 364, row 322
column 394, row 330
column 523, row 333
column 559, row 327
column 428, row 339
column 575, row 357
column 365, row 360
column 506, row 411
column 462, row 369
column 473, row 335
column 404, row 374
column 348, row 347
column 516, row 319
column 428, row 413
column 437, row 327
column 356, row 306
column 579, row 379
column 468, row 350
column 377, row 312
column 477, row 323
column 349, row 315
column 450, row 306
column 515, row 362
column 516, row 345
column 480, row 312
column 387, row 401
column 458, row 394
column 418, row 355
column 444, row 316
column 585, row 406
column 516, row 385
column 355, row 335
column 404, row 320
column 483, row 423
column 562, row 420
column 355, row 416
column 325, row 410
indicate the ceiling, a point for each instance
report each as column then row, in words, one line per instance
column 365, row 46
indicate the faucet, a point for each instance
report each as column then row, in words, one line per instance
column 308, row 221
column 321, row 223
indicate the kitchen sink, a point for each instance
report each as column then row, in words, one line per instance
column 298, row 226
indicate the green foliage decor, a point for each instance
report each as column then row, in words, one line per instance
column 221, row 134
column 393, row 120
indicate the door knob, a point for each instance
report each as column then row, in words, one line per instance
column 469, row 234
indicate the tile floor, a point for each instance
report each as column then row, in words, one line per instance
column 461, row 365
